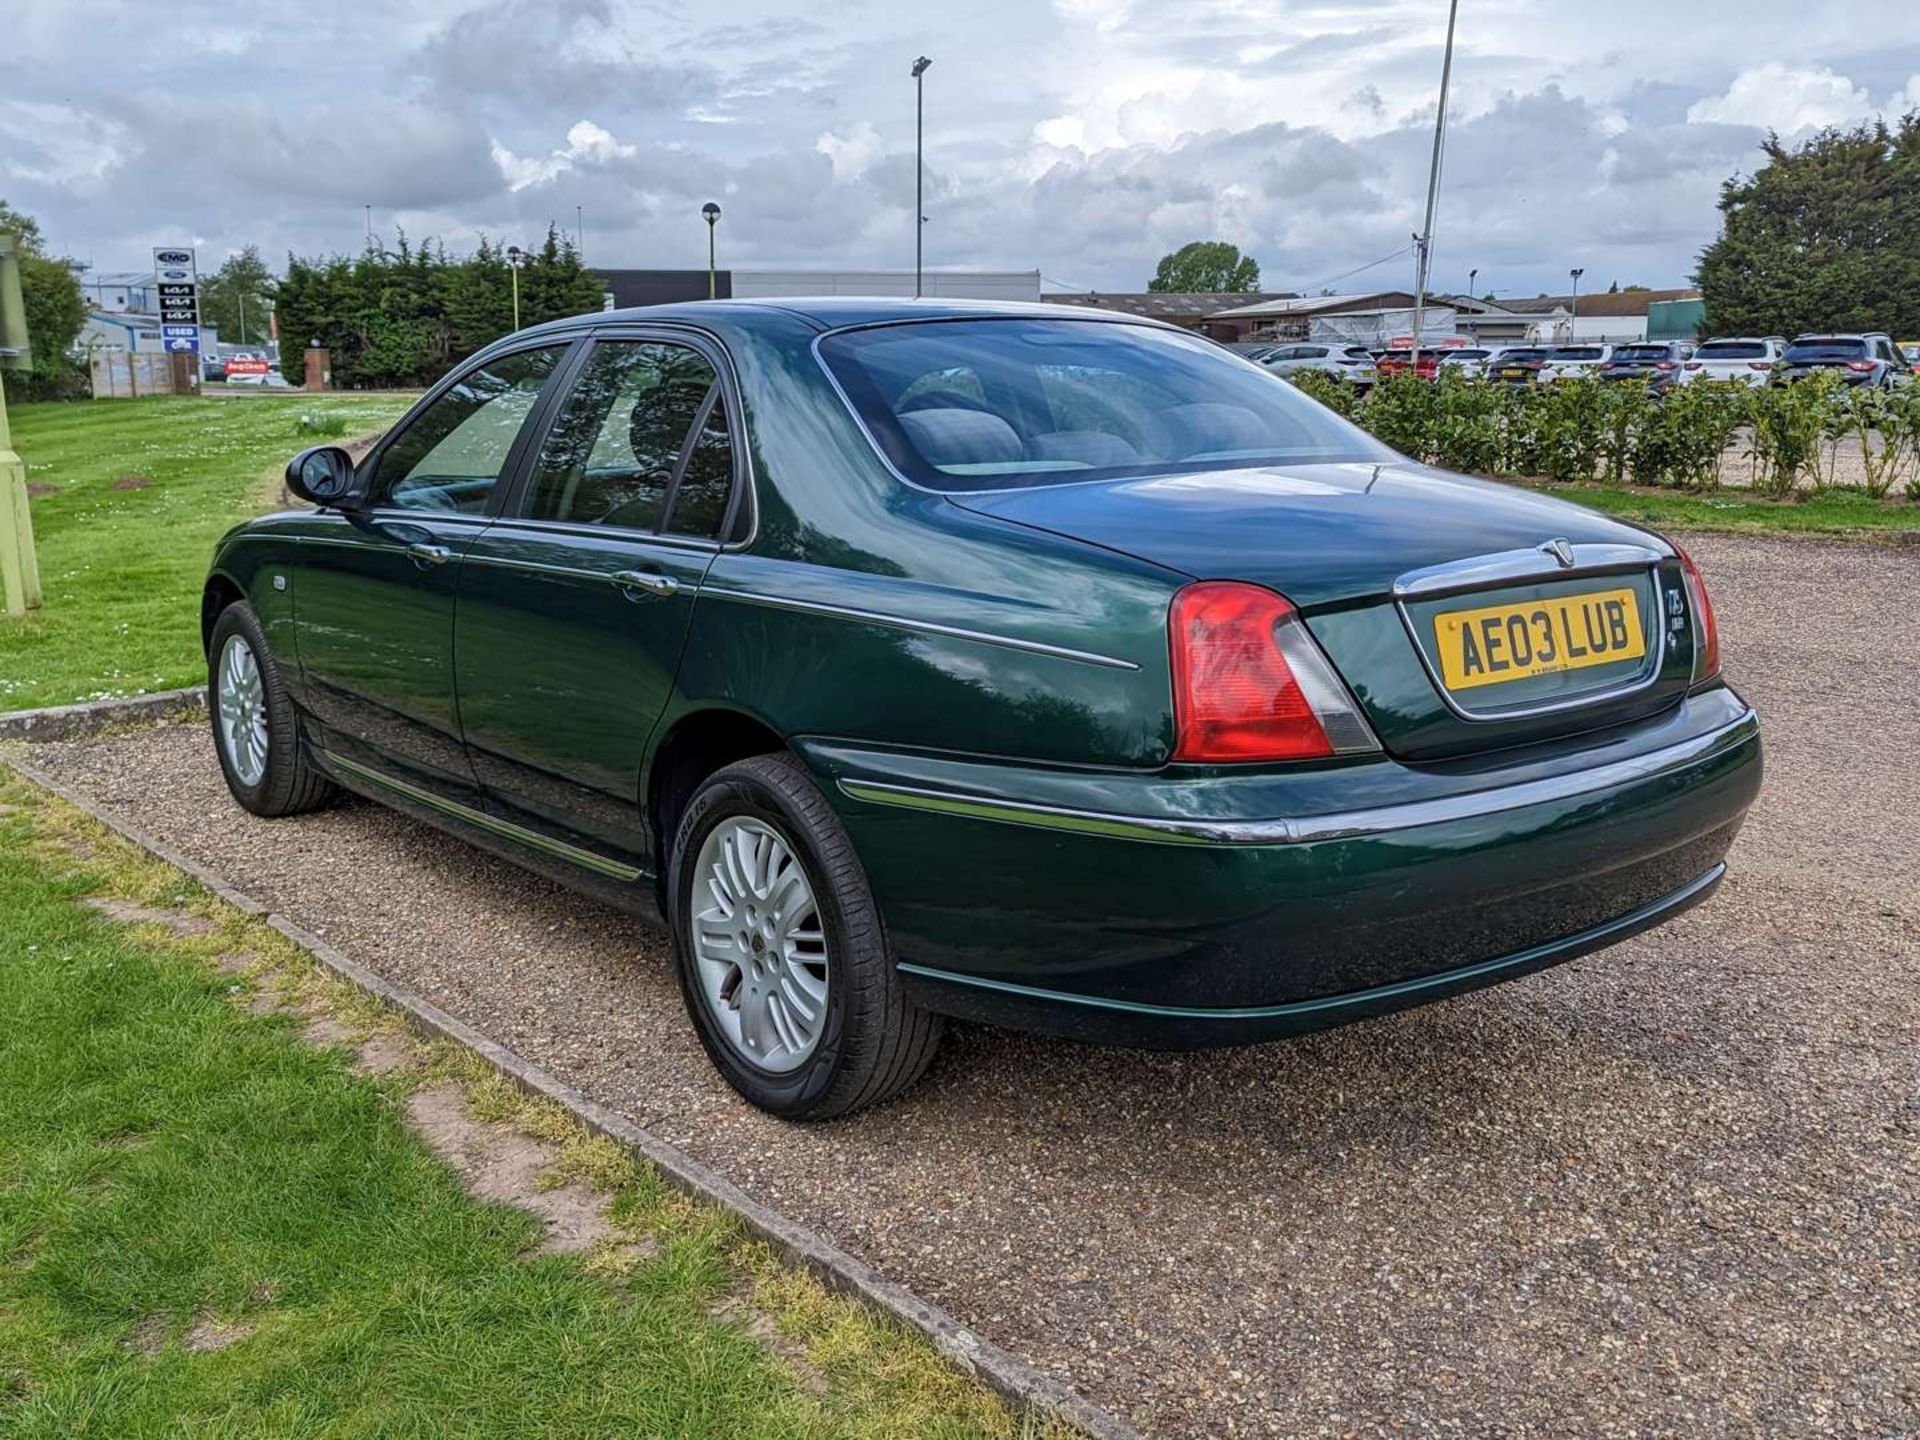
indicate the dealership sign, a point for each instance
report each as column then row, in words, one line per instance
column 237, row 366
column 178, row 283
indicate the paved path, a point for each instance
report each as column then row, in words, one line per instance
column 1670, row 1189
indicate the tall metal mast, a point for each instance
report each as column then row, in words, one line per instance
column 1423, row 242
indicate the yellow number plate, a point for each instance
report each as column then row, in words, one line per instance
column 1540, row 637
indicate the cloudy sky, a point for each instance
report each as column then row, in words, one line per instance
column 1081, row 137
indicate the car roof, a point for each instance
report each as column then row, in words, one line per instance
column 833, row 312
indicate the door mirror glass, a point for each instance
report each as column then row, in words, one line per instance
column 323, row 476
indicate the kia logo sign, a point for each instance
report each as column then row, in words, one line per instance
column 173, row 257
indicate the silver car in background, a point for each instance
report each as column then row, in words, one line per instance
column 1352, row 363
column 1574, row 362
column 1470, row 361
column 1735, row 360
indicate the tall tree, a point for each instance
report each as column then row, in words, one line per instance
column 404, row 316
column 1205, row 265
column 1824, row 236
column 56, row 310
column 234, row 299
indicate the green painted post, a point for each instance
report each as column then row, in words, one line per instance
column 19, row 570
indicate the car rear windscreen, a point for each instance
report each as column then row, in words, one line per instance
column 1732, row 350
column 1577, row 352
column 1006, row 403
column 1642, row 352
column 1506, row 355
column 1826, row 350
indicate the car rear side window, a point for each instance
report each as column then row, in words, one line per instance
column 1049, row 401
column 449, row 457
column 1826, row 349
column 644, row 418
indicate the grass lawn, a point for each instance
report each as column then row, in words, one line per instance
column 141, row 490
column 212, row 1226
column 1838, row 512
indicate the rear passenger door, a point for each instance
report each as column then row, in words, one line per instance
column 574, row 606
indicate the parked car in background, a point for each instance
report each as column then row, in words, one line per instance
column 1657, row 362
column 1399, row 362
column 1574, row 362
column 1910, row 349
column 1352, row 363
column 922, row 658
column 1519, row 364
column 1735, row 360
column 1468, row 360
column 1865, row 359
column 213, row 368
column 1253, row 349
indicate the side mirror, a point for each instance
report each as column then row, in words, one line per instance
column 323, row 476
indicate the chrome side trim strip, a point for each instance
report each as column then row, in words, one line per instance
column 1315, row 829
column 560, row 572
column 925, row 627
column 533, row 840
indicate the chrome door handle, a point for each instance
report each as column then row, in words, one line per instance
column 423, row 554
column 637, row 584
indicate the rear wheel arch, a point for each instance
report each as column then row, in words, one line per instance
column 694, row 747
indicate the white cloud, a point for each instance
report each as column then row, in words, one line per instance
column 1786, row 98
column 587, row 143
column 57, row 144
column 852, row 152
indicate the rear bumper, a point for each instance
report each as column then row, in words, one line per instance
column 1232, row 910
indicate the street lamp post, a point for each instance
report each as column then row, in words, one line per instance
column 514, row 256
column 1472, row 275
column 710, row 212
column 919, row 167
column 1423, row 242
column 1573, row 320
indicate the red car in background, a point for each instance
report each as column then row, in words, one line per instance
column 1398, row 362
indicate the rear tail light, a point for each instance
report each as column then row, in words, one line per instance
column 1706, row 638
column 1760, row 365
column 1695, row 365
column 1861, row 366
column 1249, row 683
column 1664, row 365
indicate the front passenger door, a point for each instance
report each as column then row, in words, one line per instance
column 373, row 596
column 573, row 609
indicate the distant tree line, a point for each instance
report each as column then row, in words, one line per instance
column 403, row 317
column 1824, row 236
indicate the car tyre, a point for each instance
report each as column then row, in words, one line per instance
column 269, row 773
column 873, row 1042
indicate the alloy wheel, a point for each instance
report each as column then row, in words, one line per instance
column 242, row 698
column 759, row 948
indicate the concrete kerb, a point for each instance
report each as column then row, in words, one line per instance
column 72, row 722
column 1008, row 1376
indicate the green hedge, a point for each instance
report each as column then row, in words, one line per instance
column 1620, row 433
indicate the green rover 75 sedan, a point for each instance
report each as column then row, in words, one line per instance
column 914, row 659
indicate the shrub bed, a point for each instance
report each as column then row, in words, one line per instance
column 1619, row 432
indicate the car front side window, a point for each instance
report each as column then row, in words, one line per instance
column 450, row 457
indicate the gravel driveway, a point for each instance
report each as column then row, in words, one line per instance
column 1671, row 1189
